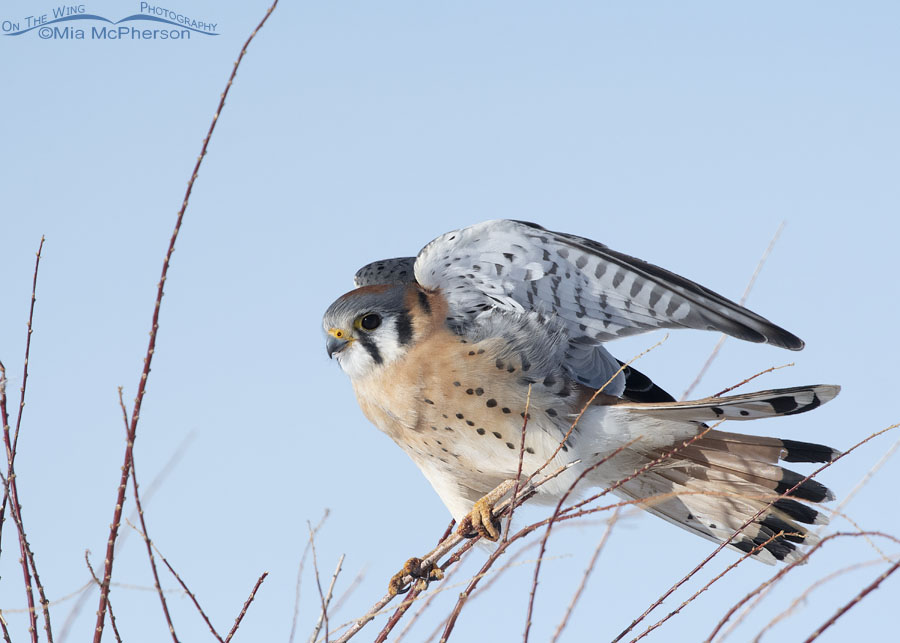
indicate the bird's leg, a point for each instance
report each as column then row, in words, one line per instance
column 420, row 572
column 480, row 521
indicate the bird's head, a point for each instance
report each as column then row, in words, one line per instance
column 368, row 328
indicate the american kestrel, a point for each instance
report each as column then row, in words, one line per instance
column 443, row 348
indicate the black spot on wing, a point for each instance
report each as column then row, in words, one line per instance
column 783, row 405
column 816, row 402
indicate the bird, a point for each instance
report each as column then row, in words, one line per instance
column 445, row 350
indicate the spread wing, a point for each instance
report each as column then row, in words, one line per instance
column 601, row 293
column 597, row 293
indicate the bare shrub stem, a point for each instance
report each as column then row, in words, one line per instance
column 151, row 347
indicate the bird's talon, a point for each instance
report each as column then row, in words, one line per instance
column 421, row 574
column 480, row 521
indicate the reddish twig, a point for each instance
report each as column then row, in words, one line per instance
column 801, row 598
column 678, row 609
column 470, row 588
column 494, row 556
column 413, row 594
column 190, row 595
column 856, row 599
column 29, row 566
column 10, row 484
column 751, row 378
column 447, row 531
column 446, row 546
column 426, row 604
column 3, row 627
column 737, row 531
column 240, row 617
column 151, row 347
column 557, row 512
column 787, row 568
column 481, row 589
column 151, row 490
column 587, row 573
column 144, row 532
column 555, row 516
column 515, row 492
column 743, row 300
column 410, row 598
column 30, row 325
column 112, row 616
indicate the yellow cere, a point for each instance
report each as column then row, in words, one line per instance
column 339, row 333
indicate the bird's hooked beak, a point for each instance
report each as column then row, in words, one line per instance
column 336, row 341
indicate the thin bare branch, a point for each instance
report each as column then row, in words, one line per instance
column 724, row 544
column 587, row 574
column 786, row 569
column 866, row 478
column 190, row 595
column 693, row 596
column 312, row 544
column 151, row 347
column 554, row 517
column 84, row 593
column 448, row 544
column 801, row 598
column 743, row 300
column 354, row 585
column 853, row 602
column 323, row 617
column 415, row 591
column 426, row 604
column 240, row 617
column 751, row 378
column 408, row 600
column 145, row 534
column 11, row 494
column 300, row 573
column 112, row 616
column 515, row 492
column 558, row 511
column 5, row 630
column 37, row 263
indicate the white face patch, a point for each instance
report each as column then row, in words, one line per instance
column 355, row 360
column 370, row 351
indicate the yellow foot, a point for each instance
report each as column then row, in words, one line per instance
column 420, row 572
column 480, row 521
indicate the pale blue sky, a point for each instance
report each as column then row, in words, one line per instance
column 683, row 134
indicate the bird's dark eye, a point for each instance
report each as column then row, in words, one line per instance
column 370, row 321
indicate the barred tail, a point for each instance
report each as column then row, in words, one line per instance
column 722, row 480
